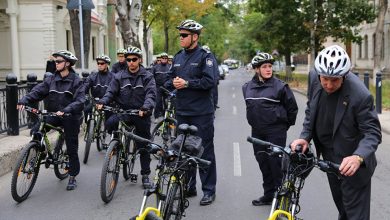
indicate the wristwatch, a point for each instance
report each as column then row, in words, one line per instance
column 186, row 84
column 361, row 160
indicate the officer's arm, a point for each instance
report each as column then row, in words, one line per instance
column 38, row 93
column 290, row 105
column 150, row 96
column 78, row 99
column 112, row 90
column 169, row 80
column 207, row 81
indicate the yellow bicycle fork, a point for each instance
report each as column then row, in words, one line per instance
column 276, row 213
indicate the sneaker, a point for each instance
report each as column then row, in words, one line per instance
column 72, row 184
column 207, row 200
column 264, row 200
column 146, row 182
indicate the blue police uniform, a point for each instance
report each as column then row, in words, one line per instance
column 118, row 66
column 270, row 110
column 133, row 91
column 194, row 105
column 160, row 73
column 67, row 95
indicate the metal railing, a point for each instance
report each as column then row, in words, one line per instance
column 3, row 111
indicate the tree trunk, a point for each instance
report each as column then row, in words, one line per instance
column 135, row 17
column 379, row 35
column 123, row 10
column 146, row 43
column 166, row 34
column 287, row 57
column 75, row 26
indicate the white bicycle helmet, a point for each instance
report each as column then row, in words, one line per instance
column 67, row 55
column 332, row 61
column 121, row 51
column 262, row 58
column 105, row 58
column 190, row 25
column 133, row 51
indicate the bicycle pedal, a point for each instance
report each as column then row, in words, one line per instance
column 133, row 177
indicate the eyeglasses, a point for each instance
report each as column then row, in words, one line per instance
column 132, row 59
column 184, row 35
column 101, row 63
column 59, row 61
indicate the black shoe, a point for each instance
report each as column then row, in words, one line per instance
column 191, row 193
column 262, row 201
column 72, row 184
column 146, row 182
column 207, row 200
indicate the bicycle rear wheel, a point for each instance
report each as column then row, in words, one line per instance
column 164, row 132
column 89, row 139
column 25, row 172
column 110, row 172
column 173, row 209
column 61, row 163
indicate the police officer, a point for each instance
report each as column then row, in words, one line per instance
column 64, row 93
column 133, row 88
column 270, row 109
column 192, row 74
column 98, row 82
column 160, row 73
column 121, row 64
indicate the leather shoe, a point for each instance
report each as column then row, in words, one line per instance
column 191, row 193
column 262, row 201
column 207, row 200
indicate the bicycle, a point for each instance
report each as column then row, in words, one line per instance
column 121, row 151
column 285, row 204
column 165, row 130
column 27, row 166
column 95, row 131
column 171, row 176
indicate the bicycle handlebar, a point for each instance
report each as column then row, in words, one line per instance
column 169, row 93
column 121, row 111
column 44, row 112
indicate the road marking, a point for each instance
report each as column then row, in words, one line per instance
column 234, row 95
column 237, row 159
column 234, row 110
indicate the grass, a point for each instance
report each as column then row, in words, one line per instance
column 299, row 81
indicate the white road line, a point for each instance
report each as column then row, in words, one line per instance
column 234, row 95
column 237, row 159
column 234, row 110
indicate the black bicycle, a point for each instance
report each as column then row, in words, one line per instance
column 95, row 131
column 172, row 174
column 39, row 151
column 165, row 130
column 296, row 167
column 121, row 151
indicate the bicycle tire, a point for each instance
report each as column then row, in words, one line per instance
column 173, row 203
column 149, row 216
column 100, row 135
column 61, row 166
column 24, row 159
column 89, row 140
column 129, row 158
column 284, row 204
column 112, row 158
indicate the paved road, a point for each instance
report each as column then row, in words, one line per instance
column 238, row 179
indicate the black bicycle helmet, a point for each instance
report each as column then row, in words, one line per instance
column 262, row 58
column 332, row 61
column 67, row 55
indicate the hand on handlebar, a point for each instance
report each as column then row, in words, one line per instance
column 302, row 142
column 20, row 107
column 349, row 165
column 99, row 106
column 59, row 113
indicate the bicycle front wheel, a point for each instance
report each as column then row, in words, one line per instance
column 26, row 171
column 61, row 164
column 173, row 205
column 110, row 172
column 89, row 139
column 129, row 159
column 284, row 204
column 101, row 135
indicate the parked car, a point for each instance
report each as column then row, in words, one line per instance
column 225, row 68
column 222, row 73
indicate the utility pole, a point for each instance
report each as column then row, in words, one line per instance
column 81, row 35
column 312, row 36
column 111, row 28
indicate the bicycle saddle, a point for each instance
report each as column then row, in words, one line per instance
column 185, row 128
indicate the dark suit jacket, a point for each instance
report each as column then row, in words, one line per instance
column 356, row 126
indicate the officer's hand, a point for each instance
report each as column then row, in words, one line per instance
column 20, row 107
column 59, row 113
column 99, row 106
column 301, row 142
column 179, row 83
column 349, row 165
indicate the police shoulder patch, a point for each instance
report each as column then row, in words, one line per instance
column 209, row 62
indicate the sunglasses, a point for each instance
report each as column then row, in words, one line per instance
column 184, row 35
column 59, row 61
column 132, row 59
column 101, row 63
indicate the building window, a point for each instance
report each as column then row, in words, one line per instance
column 93, row 48
column 373, row 45
column 365, row 47
column 360, row 50
column 68, row 37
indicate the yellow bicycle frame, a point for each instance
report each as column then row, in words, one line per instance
column 280, row 212
column 147, row 210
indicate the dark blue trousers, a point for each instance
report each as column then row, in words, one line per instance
column 270, row 166
column 208, row 175
column 142, row 128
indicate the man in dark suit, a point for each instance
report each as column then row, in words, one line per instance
column 341, row 119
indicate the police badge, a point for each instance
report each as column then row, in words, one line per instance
column 209, row 62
